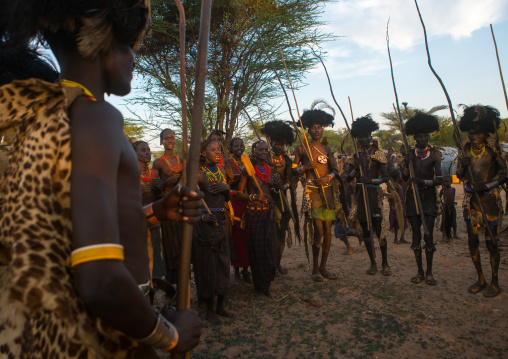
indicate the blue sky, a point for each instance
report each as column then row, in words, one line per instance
column 460, row 44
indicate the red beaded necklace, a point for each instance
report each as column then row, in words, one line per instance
column 425, row 155
column 277, row 160
column 178, row 166
column 238, row 166
column 147, row 176
column 263, row 172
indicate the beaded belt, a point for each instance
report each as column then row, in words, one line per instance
column 257, row 208
column 470, row 191
column 312, row 185
column 370, row 185
column 214, row 210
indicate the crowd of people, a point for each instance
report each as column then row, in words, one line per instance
column 89, row 225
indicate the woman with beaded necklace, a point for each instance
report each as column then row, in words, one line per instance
column 210, row 247
column 151, row 189
column 260, row 218
column 241, row 257
column 169, row 167
column 488, row 166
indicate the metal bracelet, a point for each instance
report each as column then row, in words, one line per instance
column 164, row 335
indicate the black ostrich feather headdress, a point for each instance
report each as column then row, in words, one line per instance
column 277, row 131
column 421, row 122
column 363, row 126
column 316, row 115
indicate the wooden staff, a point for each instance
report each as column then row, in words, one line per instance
column 416, row 194
column 305, row 148
column 499, row 66
column 476, row 196
column 365, row 196
column 366, row 201
column 301, row 124
column 193, row 154
column 183, row 99
column 249, row 168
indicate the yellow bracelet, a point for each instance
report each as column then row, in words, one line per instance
column 97, row 252
column 294, row 165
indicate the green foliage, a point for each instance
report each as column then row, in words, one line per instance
column 239, row 75
column 133, row 131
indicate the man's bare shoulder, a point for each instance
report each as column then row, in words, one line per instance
column 94, row 113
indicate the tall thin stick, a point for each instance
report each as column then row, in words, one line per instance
column 476, row 196
column 183, row 99
column 301, row 124
column 364, row 188
column 193, row 154
column 416, row 194
column 499, row 66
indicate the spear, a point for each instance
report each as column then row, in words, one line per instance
column 366, row 201
column 193, row 154
column 416, row 194
column 476, row 196
column 305, row 148
column 499, row 66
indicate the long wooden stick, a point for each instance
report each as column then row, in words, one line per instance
column 183, row 99
column 499, row 66
column 305, row 148
column 193, row 154
column 476, row 196
column 416, row 194
column 364, row 188
column 366, row 201
column 301, row 124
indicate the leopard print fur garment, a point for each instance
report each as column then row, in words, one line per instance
column 41, row 315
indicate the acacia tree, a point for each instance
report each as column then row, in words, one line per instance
column 239, row 72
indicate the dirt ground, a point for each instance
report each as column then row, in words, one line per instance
column 363, row 316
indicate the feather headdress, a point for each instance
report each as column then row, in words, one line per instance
column 277, row 131
column 316, row 115
column 363, row 126
column 421, row 122
column 482, row 118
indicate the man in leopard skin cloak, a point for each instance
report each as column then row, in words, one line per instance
column 73, row 247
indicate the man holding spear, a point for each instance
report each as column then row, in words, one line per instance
column 373, row 162
column 489, row 171
column 427, row 175
column 279, row 134
column 319, row 174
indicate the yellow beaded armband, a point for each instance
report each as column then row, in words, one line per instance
column 97, row 252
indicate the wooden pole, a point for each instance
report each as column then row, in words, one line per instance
column 416, row 194
column 476, row 196
column 499, row 66
column 183, row 99
column 193, row 154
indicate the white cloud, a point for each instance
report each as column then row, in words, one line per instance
column 364, row 21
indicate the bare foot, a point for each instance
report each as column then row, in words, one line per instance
column 212, row 317
column 430, row 280
column 476, row 287
column 348, row 251
column 372, row 270
column 317, row 277
column 403, row 240
column 246, row 276
column 386, row 270
column 491, row 292
column 238, row 279
column 282, row 270
column 224, row 313
column 328, row 275
column 418, row 279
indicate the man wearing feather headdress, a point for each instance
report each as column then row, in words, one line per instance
column 374, row 165
column 427, row 175
column 74, row 274
column 319, row 174
column 279, row 134
column 488, row 166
